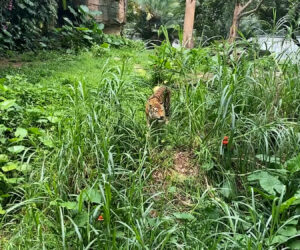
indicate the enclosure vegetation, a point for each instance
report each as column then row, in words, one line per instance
column 80, row 168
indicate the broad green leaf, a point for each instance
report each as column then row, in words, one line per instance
column 87, row 30
column 42, row 120
column 68, row 21
column 35, row 131
column 16, row 149
column 21, row 132
column 7, row 104
column 53, row 203
column 72, row 11
column 25, row 167
column 53, row 119
column 184, row 216
column 101, row 26
column 105, row 45
column 285, row 205
column 3, row 158
column 87, row 37
column 295, row 200
column 46, row 140
column 294, row 244
column 227, row 189
column 168, row 65
column 2, row 129
column 14, row 140
column 7, row 33
column 10, row 166
column 71, row 205
column 2, row 211
column 81, row 218
column 288, row 231
column 263, row 194
column 3, row 88
column 93, row 195
column 293, row 165
column 284, row 234
column 293, row 222
column 271, row 184
column 14, row 180
column 279, row 239
column 3, row 177
column 84, row 8
column 29, row 3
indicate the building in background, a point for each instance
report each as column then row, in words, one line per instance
column 113, row 13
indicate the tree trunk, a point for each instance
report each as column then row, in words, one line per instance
column 189, row 23
column 239, row 12
column 122, row 11
column 235, row 22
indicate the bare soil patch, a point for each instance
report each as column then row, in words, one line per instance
column 183, row 164
column 5, row 63
column 182, row 168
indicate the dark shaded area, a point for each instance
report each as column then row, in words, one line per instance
column 62, row 13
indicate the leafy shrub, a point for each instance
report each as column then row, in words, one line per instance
column 24, row 126
column 82, row 32
column 169, row 63
column 100, row 50
column 26, row 23
column 120, row 41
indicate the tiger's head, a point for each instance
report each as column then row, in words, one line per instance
column 156, row 110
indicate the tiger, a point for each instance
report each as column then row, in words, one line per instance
column 158, row 105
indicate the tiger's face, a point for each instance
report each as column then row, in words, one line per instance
column 157, row 111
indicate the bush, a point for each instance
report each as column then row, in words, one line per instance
column 82, row 32
column 26, row 23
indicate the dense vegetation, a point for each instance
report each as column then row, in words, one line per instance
column 61, row 24
column 80, row 168
column 213, row 18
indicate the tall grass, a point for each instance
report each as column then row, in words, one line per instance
column 95, row 188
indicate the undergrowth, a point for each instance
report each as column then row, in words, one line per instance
column 80, row 168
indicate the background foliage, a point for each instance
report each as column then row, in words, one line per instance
column 31, row 25
column 25, row 24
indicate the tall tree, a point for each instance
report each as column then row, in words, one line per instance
column 122, row 11
column 239, row 12
column 189, row 17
